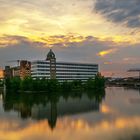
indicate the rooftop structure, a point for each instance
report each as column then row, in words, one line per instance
column 50, row 55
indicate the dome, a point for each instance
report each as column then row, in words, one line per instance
column 50, row 55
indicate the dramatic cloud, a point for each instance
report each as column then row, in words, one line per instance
column 71, row 47
column 76, row 32
column 124, row 11
column 35, row 19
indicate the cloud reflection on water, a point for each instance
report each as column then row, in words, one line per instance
column 121, row 128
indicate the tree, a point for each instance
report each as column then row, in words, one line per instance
column 99, row 81
column 15, row 83
column 1, row 83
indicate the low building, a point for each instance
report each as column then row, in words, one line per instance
column 22, row 71
column 51, row 69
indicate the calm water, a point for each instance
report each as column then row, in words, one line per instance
column 114, row 115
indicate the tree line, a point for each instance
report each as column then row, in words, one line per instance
column 53, row 85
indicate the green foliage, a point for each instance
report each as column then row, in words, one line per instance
column 1, row 83
column 90, row 84
column 52, row 85
column 26, row 84
column 8, row 83
column 99, row 81
column 66, row 86
column 13, row 83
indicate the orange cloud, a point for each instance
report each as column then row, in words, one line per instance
column 5, row 40
column 108, row 63
column 60, row 39
column 49, row 41
column 106, row 52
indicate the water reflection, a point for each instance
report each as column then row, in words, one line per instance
column 111, row 116
column 40, row 106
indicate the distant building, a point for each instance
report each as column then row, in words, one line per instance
column 135, row 70
column 8, row 72
column 22, row 71
column 51, row 69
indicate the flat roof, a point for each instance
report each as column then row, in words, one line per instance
column 63, row 62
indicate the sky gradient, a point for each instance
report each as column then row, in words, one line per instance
column 94, row 31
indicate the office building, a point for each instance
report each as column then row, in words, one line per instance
column 52, row 69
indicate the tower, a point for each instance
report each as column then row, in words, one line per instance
column 52, row 60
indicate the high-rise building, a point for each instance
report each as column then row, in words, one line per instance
column 51, row 69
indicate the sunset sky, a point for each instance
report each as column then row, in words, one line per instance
column 106, row 32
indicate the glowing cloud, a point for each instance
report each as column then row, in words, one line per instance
column 107, row 52
column 48, row 18
column 4, row 41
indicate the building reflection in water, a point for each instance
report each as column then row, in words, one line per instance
column 39, row 106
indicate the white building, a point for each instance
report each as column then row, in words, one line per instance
column 62, row 70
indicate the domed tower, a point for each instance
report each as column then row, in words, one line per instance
column 52, row 60
column 50, row 55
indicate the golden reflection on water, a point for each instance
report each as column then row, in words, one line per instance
column 105, row 109
column 68, row 129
